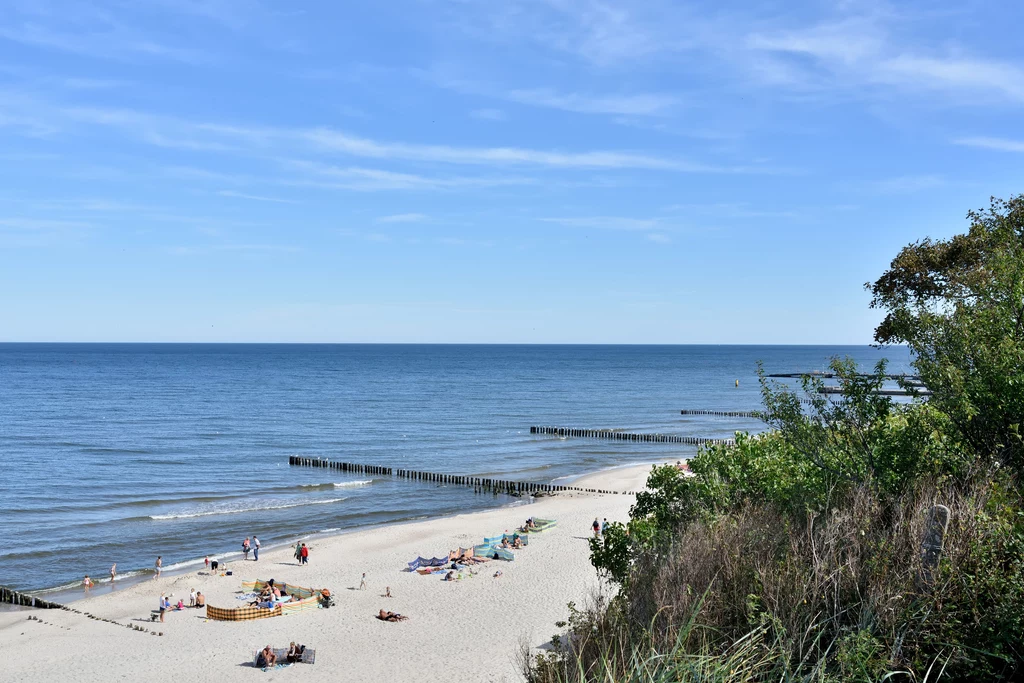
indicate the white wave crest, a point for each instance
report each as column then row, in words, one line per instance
column 234, row 511
column 362, row 482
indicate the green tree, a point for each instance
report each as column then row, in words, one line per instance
column 959, row 305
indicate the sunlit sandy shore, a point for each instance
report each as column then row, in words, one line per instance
column 470, row 629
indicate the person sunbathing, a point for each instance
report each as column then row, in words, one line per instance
column 390, row 616
column 266, row 659
column 295, row 652
column 504, row 543
column 200, row 600
column 517, row 543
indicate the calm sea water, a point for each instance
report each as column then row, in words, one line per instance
column 118, row 453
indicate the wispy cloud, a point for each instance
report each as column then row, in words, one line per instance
column 999, row 144
column 402, row 218
column 644, row 104
column 488, row 114
column 860, row 51
column 607, row 222
column 659, row 238
column 255, row 197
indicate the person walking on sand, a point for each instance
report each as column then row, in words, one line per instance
column 159, row 567
column 206, row 561
column 255, row 549
column 245, row 547
column 113, row 572
column 304, row 553
column 362, row 582
column 298, row 552
column 596, row 526
column 604, row 526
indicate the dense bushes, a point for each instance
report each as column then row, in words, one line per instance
column 838, row 595
column 797, row 554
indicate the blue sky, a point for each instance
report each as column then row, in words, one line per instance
column 480, row 171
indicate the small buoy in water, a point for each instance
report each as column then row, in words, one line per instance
column 737, row 382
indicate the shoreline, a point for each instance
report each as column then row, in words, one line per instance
column 475, row 624
column 75, row 593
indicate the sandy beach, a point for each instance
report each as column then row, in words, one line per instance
column 471, row 629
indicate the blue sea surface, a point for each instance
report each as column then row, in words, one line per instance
column 122, row 452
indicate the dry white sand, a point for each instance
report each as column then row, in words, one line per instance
column 469, row 630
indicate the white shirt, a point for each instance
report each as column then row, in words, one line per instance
column 256, row 541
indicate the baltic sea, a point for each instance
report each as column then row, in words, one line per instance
column 120, row 452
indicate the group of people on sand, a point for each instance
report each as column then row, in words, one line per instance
column 302, row 553
column 253, row 546
column 269, row 596
column 267, row 658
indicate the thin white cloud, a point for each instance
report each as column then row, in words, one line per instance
column 255, row 197
column 607, row 222
column 659, row 238
column 644, row 104
column 488, row 114
column 402, row 218
column 999, row 144
column 860, row 51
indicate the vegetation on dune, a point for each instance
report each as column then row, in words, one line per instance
column 799, row 554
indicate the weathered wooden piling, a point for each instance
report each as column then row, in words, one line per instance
column 627, row 436
column 722, row 413
column 479, row 484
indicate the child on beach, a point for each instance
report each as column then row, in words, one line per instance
column 191, row 597
column 362, row 582
column 87, row 582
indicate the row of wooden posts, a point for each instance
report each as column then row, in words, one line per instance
column 479, row 484
column 8, row 595
column 626, row 436
column 722, row 413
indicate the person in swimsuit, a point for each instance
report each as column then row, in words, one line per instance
column 200, row 600
column 390, row 616
column 266, row 659
column 159, row 566
column 113, row 572
column 87, row 582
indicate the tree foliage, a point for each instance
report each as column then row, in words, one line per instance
column 959, row 305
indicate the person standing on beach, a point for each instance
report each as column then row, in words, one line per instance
column 362, row 582
column 245, row 547
column 113, row 572
column 165, row 604
column 596, row 526
column 159, row 567
column 304, row 553
column 298, row 552
column 255, row 549
column 604, row 526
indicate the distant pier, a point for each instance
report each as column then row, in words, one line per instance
column 626, row 436
column 479, row 484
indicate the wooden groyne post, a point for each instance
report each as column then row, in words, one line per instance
column 13, row 597
column 722, row 413
column 479, row 484
column 626, row 436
